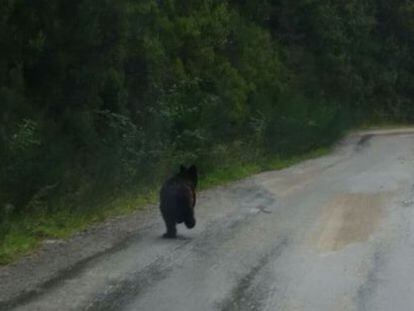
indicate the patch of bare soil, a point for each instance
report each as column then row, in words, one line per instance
column 350, row 218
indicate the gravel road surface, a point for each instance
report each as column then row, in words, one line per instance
column 333, row 233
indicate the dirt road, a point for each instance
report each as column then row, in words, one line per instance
column 334, row 233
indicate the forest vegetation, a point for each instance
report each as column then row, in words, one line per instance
column 100, row 99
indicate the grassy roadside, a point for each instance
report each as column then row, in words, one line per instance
column 382, row 124
column 26, row 234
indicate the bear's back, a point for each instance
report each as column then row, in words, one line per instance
column 177, row 192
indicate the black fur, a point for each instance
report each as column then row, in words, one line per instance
column 177, row 200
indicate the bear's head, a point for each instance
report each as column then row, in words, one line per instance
column 189, row 175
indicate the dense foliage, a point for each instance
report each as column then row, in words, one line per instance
column 99, row 96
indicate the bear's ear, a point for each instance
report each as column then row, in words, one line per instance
column 192, row 171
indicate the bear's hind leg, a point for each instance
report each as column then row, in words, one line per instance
column 171, row 229
column 190, row 223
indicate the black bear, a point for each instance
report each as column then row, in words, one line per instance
column 177, row 200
